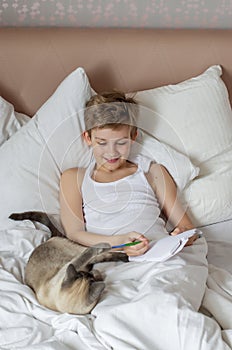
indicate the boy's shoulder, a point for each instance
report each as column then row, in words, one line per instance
column 69, row 172
column 156, row 168
column 73, row 175
column 73, row 171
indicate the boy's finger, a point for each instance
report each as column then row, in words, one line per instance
column 192, row 239
column 175, row 232
column 138, row 249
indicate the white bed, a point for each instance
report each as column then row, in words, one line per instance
column 219, row 241
column 184, row 303
column 27, row 325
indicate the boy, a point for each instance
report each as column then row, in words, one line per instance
column 117, row 200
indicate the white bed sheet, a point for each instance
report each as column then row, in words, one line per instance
column 219, row 239
column 115, row 322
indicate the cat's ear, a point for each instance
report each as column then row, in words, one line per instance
column 70, row 276
column 95, row 291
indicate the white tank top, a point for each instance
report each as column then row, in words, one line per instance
column 125, row 205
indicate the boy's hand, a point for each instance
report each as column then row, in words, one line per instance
column 179, row 230
column 137, row 249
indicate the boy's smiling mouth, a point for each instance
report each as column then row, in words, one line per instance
column 112, row 160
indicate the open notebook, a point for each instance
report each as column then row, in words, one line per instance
column 166, row 247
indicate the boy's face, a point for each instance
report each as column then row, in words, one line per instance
column 111, row 147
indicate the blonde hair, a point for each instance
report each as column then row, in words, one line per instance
column 110, row 109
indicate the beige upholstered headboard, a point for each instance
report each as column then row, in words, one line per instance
column 33, row 61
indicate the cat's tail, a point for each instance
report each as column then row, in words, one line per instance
column 38, row 216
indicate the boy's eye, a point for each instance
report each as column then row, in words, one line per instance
column 121, row 143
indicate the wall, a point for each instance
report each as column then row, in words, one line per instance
column 117, row 13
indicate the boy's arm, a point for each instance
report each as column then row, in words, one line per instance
column 72, row 215
column 167, row 195
column 71, row 202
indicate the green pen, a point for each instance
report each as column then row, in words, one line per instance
column 126, row 244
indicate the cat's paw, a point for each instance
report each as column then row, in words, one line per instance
column 97, row 275
column 102, row 247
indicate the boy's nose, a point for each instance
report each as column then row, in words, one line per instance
column 112, row 150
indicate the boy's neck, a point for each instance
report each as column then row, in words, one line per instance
column 103, row 174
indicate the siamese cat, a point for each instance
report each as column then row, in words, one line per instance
column 60, row 270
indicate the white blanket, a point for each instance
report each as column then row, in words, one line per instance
column 145, row 306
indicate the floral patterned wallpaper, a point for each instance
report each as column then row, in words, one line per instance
column 117, row 13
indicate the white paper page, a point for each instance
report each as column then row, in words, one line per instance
column 166, row 247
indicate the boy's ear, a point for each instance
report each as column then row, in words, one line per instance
column 87, row 138
column 134, row 136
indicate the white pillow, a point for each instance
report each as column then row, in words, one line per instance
column 10, row 120
column 22, row 118
column 52, row 142
column 195, row 118
column 36, row 154
column 179, row 165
